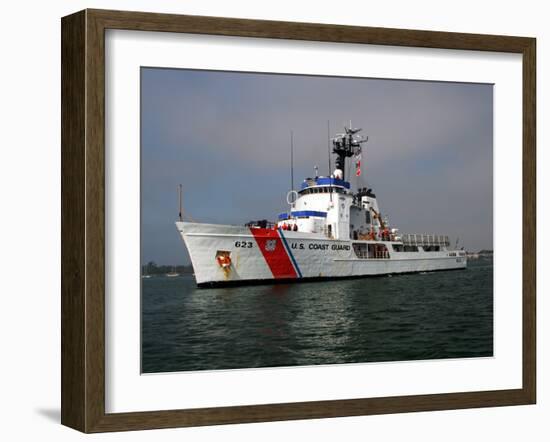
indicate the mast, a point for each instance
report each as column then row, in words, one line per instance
column 291, row 160
column 180, row 203
column 328, row 138
column 329, row 165
column 345, row 146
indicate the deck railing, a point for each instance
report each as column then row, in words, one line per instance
column 425, row 240
column 263, row 223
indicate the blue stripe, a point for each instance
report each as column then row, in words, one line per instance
column 283, row 216
column 290, row 253
column 309, row 213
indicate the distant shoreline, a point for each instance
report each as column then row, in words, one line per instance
column 153, row 269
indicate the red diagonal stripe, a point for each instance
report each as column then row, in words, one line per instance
column 274, row 253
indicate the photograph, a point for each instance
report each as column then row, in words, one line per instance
column 300, row 220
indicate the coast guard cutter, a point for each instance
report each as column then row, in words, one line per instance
column 329, row 232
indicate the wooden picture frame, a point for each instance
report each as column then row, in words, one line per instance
column 83, row 220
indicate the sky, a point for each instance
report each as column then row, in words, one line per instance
column 225, row 136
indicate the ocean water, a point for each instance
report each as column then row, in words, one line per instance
column 399, row 318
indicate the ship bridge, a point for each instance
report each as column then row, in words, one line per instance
column 321, row 206
column 326, row 205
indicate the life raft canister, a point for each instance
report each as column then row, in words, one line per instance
column 224, row 261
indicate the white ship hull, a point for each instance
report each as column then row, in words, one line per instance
column 273, row 255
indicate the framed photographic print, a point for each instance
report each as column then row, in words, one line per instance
column 270, row 220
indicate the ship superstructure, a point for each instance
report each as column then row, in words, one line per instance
column 328, row 232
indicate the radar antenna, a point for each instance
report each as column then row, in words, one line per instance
column 347, row 145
